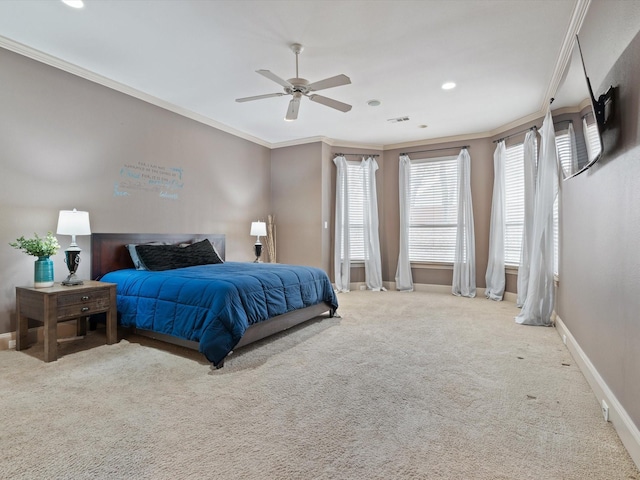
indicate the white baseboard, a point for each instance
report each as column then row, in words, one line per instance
column 626, row 429
column 8, row 340
column 429, row 287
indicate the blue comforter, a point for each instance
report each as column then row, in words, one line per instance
column 215, row 304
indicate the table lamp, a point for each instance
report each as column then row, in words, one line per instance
column 73, row 222
column 259, row 229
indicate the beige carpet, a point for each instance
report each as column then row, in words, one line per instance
column 403, row 386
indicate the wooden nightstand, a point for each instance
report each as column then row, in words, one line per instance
column 61, row 303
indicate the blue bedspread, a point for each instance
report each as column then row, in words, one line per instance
column 215, row 304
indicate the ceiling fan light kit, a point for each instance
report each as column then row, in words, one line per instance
column 298, row 87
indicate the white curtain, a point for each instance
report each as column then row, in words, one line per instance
column 341, row 263
column 538, row 305
column 404, row 280
column 495, row 276
column 464, row 264
column 372, row 262
column 530, row 166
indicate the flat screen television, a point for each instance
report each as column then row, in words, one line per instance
column 579, row 118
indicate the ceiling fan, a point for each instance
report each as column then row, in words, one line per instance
column 297, row 87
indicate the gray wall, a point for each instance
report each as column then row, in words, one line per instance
column 481, row 152
column 298, row 198
column 64, row 142
column 598, row 293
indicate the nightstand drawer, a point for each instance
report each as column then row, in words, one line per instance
column 89, row 308
column 80, row 304
column 100, row 297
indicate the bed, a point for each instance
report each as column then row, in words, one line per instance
column 211, row 307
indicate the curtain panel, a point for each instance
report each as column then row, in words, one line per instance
column 404, row 279
column 464, row 265
column 495, row 276
column 372, row 261
column 539, row 302
column 530, row 167
column 341, row 263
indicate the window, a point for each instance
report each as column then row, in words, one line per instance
column 433, row 210
column 592, row 138
column 355, row 179
column 514, row 204
column 566, row 154
column 514, row 201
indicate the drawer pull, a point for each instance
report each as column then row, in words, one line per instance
column 85, row 298
column 84, row 309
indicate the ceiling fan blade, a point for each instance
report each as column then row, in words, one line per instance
column 259, row 97
column 336, row 81
column 274, row 77
column 330, row 102
column 294, row 106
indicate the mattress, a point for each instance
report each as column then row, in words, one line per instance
column 215, row 304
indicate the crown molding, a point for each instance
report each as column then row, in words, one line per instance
column 68, row 67
column 332, row 142
column 564, row 57
column 301, row 141
column 436, row 141
column 575, row 23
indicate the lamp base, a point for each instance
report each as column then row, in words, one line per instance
column 72, row 259
column 72, row 280
column 258, row 251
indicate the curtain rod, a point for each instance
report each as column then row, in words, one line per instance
column 357, row 154
column 436, row 149
column 516, row 133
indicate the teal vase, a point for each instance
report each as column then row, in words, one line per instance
column 43, row 273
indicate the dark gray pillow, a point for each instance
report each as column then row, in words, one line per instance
column 131, row 247
column 168, row 257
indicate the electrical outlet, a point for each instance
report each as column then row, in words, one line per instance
column 605, row 411
column 12, row 344
column 363, row 287
column 564, row 339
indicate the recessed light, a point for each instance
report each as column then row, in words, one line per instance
column 373, row 103
column 448, row 85
column 74, row 3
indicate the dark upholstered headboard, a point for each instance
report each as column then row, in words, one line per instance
column 109, row 251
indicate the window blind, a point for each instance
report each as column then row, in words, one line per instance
column 433, row 210
column 355, row 179
column 563, row 146
column 593, row 139
column 514, row 204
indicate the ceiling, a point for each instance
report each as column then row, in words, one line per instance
column 196, row 57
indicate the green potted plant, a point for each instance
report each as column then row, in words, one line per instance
column 43, row 248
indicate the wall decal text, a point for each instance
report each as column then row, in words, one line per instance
column 165, row 182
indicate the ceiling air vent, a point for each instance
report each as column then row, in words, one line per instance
column 398, row 120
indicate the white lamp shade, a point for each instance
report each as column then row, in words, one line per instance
column 73, row 222
column 258, row 229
